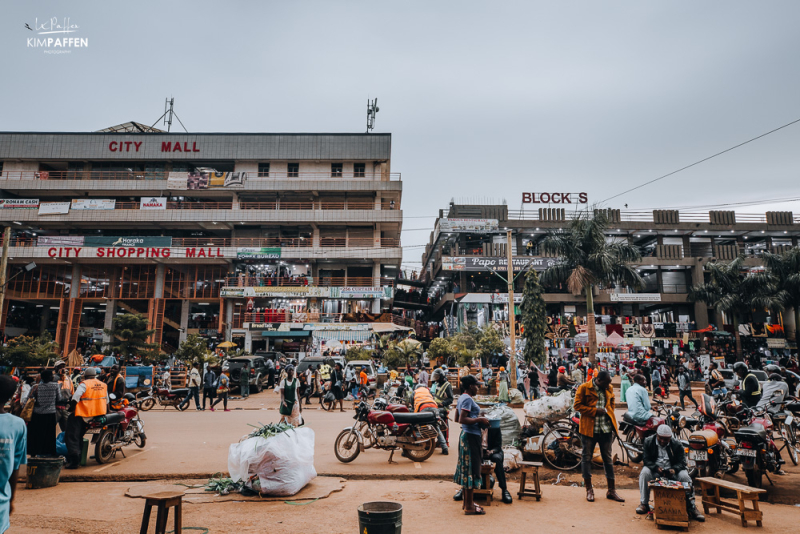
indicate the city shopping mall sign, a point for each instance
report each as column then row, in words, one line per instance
column 555, row 198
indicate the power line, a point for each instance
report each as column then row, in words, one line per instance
column 701, row 161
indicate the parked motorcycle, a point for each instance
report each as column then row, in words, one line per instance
column 784, row 422
column 756, row 449
column 391, row 429
column 709, row 452
column 163, row 397
column 117, row 429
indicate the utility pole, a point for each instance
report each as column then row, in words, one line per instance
column 3, row 272
column 512, row 361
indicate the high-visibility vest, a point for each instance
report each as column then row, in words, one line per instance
column 94, row 400
column 67, row 384
column 423, row 399
column 440, row 392
column 754, row 377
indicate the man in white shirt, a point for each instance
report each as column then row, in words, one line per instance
column 166, row 379
column 194, row 388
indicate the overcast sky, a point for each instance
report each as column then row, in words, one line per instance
column 484, row 100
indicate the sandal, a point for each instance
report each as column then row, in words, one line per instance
column 477, row 510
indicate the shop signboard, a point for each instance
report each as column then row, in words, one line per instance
column 127, row 241
column 234, row 292
column 359, row 292
column 258, row 253
column 19, row 203
column 94, row 204
column 776, row 343
column 286, row 291
column 488, row 263
column 60, row 241
column 635, row 297
column 153, row 203
column 53, row 208
column 270, row 327
column 473, row 226
column 320, row 327
column 177, row 180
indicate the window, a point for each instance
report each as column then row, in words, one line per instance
column 336, row 170
column 359, row 170
column 263, row 170
column 294, row 170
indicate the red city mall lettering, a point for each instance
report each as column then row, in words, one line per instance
column 133, row 252
column 553, row 198
column 124, row 146
column 203, row 253
column 166, row 146
column 64, row 252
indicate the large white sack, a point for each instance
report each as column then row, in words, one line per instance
column 283, row 463
column 549, row 408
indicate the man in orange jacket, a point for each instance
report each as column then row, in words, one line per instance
column 595, row 402
column 90, row 400
column 424, row 402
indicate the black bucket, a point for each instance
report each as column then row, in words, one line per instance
column 380, row 518
column 43, row 472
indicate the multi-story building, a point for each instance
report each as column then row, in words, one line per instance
column 469, row 241
column 262, row 239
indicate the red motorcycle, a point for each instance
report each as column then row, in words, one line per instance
column 390, row 429
column 117, row 429
column 709, row 453
column 163, row 397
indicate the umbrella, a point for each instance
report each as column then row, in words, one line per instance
column 226, row 345
column 615, row 339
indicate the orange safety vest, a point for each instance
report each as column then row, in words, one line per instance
column 423, row 399
column 94, row 400
column 66, row 383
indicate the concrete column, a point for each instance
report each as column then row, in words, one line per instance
column 248, row 341
column 789, row 325
column 111, row 311
column 228, row 319
column 376, row 241
column 700, row 308
column 378, row 200
column 184, row 320
column 161, row 269
column 687, row 246
column 45, row 318
column 315, row 236
column 75, row 285
column 376, row 274
column 659, row 279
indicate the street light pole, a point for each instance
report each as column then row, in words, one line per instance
column 512, row 361
column 3, row 272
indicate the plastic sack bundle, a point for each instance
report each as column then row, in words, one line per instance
column 278, row 465
column 511, row 458
column 509, row 423
column 515, row 396
column 550, row 408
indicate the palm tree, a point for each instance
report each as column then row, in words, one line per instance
column 731, row 291
column 588, row 259
column 785, row 268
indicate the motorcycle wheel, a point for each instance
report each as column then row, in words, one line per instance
column 562, row 449
column 366, row 434
column 733, row 467
column 424, row 454
column 633, row 439
column 328, row 405
column 791, row 443
column 181, row 408
column 141, row 440
column 754, row 477
column 346, row 447
column 104, row 450
column 147, row 404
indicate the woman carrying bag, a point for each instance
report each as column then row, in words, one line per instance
column 290, row 408
column 223, row 387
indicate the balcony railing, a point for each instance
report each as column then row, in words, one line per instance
column 163, row 175
column 243, row 280
column 642, row 216
column 267, row 242
column 270, row 206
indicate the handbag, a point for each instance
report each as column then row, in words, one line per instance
column 27, row 410
column 222, row 388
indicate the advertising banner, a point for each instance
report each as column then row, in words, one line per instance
column 256, row 253
column 359, row 292
column 19, row 203
column 287, row 292
column 177, row 180
column 53, row 208
column 487, row 263
column 94, row 204
column 635, row 297
column 231, row 292
column 128, row 241
column 476, row 226
column 153, row 203
column 60, row 241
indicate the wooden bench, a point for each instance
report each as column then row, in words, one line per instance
column 486, row 489
column 709, row 488
column 163, row 501
column 532, row 469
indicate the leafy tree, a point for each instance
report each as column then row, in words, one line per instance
column 439, row 350
column 29, row 351
column 358, row 353
column 489, row 343
column 462, row 347
column 534, row 320
column 587, row 259
column 785, row 269
column 195, row 349
column 731, row 291
column 129, row 335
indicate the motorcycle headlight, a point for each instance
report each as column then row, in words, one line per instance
column 682, row 422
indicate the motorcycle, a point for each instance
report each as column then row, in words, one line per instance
column 784, row 421
column 709, row 453
column 442, row 419
column 756, row 449
column 163, row 397
column 117, row 429
column 390, row 429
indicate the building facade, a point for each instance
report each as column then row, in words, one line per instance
column 469, row 241
column 261, row 239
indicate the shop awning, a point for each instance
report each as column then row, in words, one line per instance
column 343, row 335
column 385, row 328
column 287, row 335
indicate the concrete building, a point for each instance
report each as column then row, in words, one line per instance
column 258, row 238
column 470, row 240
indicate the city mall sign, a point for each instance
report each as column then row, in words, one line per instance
column 555, row 198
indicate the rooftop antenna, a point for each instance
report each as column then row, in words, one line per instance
column 169, row 104
column 372, row 109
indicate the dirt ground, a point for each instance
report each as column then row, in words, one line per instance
column 194, row 445
column 94, row 508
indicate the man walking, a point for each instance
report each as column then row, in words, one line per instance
column 685, row 387
column 194, row 388
column 209, row 387
column 598, row 425
column 270, row 373
column 244, row 380
column 423, row 377
column 664, row 457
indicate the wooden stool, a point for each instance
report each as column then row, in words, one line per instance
column 709, row 489
column 164, row 500
column 486, row 490
column 532, row 469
